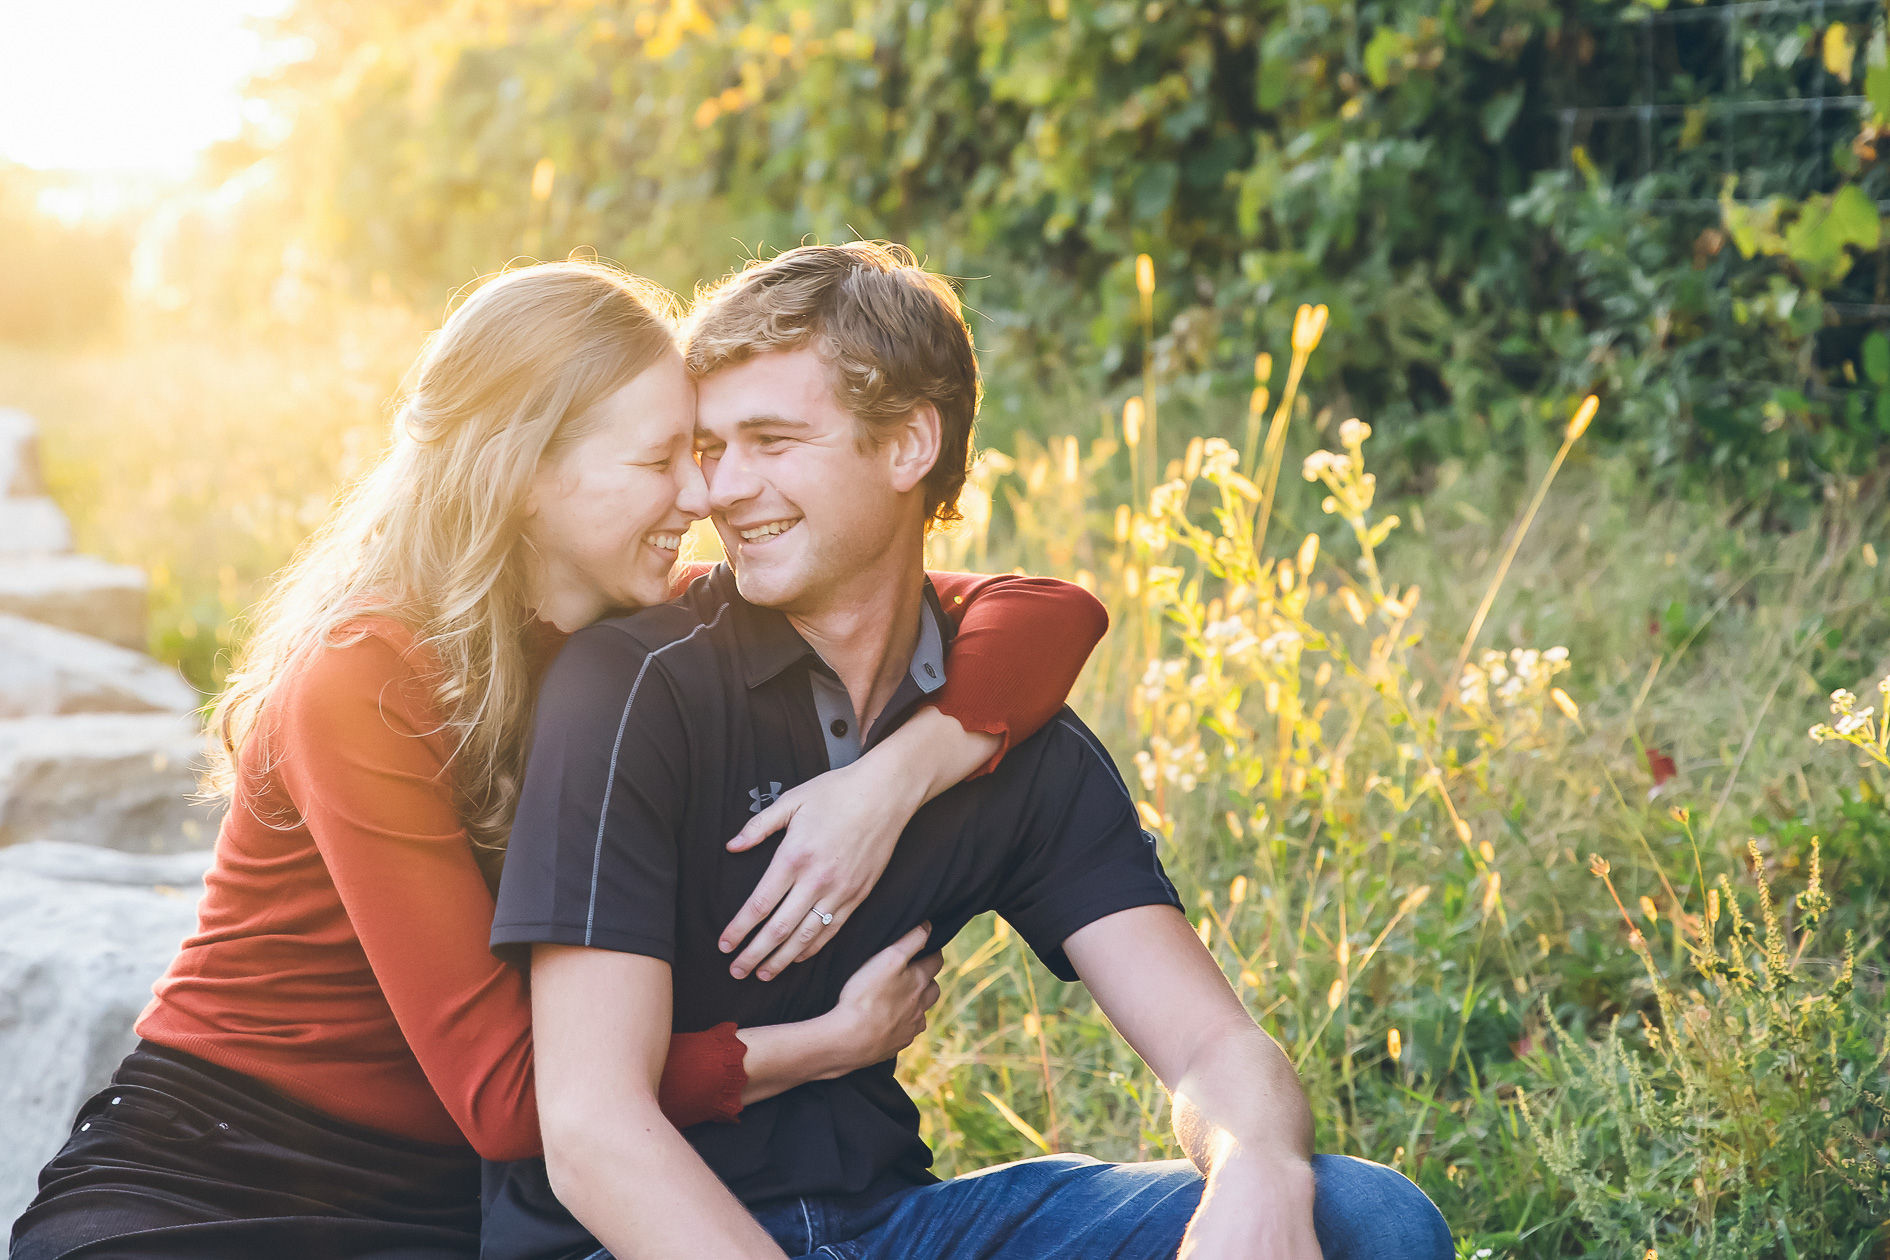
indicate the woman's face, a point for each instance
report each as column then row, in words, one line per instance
column 607, row 515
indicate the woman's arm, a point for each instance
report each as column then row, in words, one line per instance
column 881, row 1009
column 1020, row 645
column 357, row 748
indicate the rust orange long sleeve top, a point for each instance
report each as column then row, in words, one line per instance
column 340, row 954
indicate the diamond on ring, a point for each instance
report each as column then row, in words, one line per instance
column 826, row 919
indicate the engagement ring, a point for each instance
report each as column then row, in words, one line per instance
column 826, row 920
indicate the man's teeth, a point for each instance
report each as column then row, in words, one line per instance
column 666, row 542
column 766, row 531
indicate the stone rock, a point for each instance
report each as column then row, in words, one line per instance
column 84, row 933
column 19, row 455
column 117, row 781
column 81, row 593
column 45, row 670
column 33, row 527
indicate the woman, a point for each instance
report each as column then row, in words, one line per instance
column 330, row 1054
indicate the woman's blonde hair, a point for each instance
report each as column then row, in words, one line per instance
column 433, row 537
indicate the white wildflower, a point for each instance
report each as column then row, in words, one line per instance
column 1277, row 646
column 1218, row 459
column 1472, row 687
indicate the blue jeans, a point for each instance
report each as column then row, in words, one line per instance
column 1075, row 1206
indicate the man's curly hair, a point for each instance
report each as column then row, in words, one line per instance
column 890, row 330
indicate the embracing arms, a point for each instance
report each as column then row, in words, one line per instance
column 358, row 749
column 1238, row 1109
column 1020, row 644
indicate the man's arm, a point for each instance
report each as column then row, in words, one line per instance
column 1238, row 1109
column 601, row 1025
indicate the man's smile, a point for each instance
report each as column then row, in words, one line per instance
column 761, row 533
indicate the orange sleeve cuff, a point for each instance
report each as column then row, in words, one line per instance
column 703, row 1077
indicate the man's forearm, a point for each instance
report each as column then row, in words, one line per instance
column 1239, row 1095
column 1238, row 1109
column 633, row 1181
column 1242, row 1119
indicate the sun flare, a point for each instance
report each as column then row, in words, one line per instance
column 109, row 86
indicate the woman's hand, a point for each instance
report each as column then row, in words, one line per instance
column 881, row 1009
column 841, row 829
column 883, row 1006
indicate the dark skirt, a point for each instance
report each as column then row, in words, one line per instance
column 181, row 1158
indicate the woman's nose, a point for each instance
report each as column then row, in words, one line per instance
column 692, row 490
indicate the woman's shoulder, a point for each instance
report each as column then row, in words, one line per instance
column 371, row 657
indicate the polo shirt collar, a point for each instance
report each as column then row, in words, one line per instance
column 770, row 643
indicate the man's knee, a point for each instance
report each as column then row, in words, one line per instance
column 1362, row 1209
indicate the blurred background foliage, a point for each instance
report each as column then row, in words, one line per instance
column 1405, row 162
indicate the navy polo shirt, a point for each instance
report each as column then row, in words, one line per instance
column 657, row 736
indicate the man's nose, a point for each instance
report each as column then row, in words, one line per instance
column 731, row 482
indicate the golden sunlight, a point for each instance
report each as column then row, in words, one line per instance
column 123, row 86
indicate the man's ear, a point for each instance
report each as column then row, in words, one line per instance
column 912, row 447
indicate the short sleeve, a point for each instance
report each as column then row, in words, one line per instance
column 592, row 857
column 1083, row 854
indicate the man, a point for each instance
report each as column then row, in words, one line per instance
column 837, row 389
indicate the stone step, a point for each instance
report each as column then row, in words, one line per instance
column 19, row 455
column 84, row 933
column 46, row 671
column 113, row 780
column 31, row 527
column 81, row 593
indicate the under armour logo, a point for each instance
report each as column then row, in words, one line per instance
column 761, row 798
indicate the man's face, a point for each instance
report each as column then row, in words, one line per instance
column 802, row 499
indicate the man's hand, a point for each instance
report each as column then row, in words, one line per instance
column 1252, row 1209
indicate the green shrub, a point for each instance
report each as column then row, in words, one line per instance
column 1401, row 161
column 1740, row 1128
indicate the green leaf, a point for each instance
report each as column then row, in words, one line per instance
column 1017, row 1122
column 1154, row 189
column 1854, row 218
column 1500, row 112
column 1877, row 76
column 1386, row 46
column 1877, row 358
column 1270, row 85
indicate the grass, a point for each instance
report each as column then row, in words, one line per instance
column 1399, row 887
